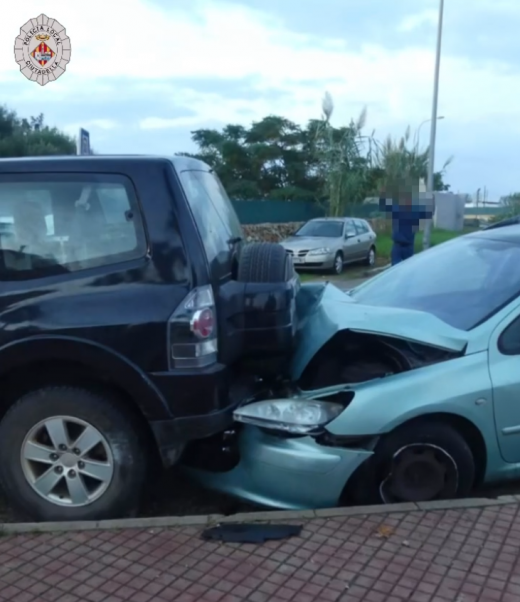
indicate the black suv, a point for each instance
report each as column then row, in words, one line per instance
column 133, row 320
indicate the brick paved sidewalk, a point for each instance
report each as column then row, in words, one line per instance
column 438, row 556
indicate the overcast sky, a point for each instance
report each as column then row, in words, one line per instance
column 144, row 73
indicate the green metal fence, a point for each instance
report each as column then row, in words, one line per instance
column 282, row 212
column 276, row 212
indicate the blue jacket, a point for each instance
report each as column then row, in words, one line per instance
column 405, row 220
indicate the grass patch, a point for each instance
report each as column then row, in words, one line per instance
column 384, row 241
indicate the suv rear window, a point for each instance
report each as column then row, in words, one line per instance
column 214, row 213
column 59, row 223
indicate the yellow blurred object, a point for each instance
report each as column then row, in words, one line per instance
column 384, row 531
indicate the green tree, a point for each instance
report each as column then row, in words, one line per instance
column 512, row 199
column 402, row 164
column 511, row 206
column 344, row 160
column 275, row 158
column 270, row 159
column 20, row 137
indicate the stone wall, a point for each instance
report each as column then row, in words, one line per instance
column 277, row 232
column 270, row 232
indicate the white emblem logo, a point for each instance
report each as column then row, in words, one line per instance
column 42, row 50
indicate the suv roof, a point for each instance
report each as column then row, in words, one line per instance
column 181, row 162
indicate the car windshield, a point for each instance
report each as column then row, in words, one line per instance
column 321, row 229
column 462, row 282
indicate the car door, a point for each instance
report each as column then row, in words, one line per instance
column 364, row 237
column 504, row 369
column 350, row 244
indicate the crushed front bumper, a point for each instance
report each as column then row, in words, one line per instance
column 289, row 473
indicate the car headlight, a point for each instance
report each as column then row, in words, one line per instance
column 291, row 416
column 321, row 251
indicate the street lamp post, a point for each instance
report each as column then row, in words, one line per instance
column 433, row 130
column 417, row 137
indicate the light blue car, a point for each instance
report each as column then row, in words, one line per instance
column 405, row 389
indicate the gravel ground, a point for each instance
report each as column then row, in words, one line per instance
column 174, row 495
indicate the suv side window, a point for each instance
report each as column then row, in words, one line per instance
column 509, row 341
column 59, row 223
column 213, row 211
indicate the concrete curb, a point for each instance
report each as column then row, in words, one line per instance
column 162, row 522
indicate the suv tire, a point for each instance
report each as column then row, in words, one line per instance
column 265, row 262
column 99, row 438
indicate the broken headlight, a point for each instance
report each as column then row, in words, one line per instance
column 291, row 416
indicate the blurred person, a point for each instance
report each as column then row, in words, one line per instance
column 406, row 211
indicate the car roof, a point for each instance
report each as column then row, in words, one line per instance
column 328, row 219
column 336, row 219
column 180, row 162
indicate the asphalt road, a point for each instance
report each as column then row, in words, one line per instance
column 346, row 285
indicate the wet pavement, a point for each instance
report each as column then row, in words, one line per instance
column 347, row 285
column 454, row 555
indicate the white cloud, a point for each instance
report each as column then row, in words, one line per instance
column 233, row 42
column 100, row 124
column 425, row 17
column 157, row 47
column 161, row 123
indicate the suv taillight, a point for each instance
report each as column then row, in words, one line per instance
column 203, row 323
column 192, row 332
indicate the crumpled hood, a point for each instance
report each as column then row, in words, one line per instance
column 323, row 310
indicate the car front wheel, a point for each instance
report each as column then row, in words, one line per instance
column 423, row 462
column 337, row 266
column 71, row 454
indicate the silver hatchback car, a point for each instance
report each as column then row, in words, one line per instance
column 329, row 243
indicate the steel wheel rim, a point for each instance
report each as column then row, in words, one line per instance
column 392, row 492
column 338, row 264
column 67, row 461
column 371, row 257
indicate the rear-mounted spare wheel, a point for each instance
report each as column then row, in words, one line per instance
column 258, row 311
column 265, row 262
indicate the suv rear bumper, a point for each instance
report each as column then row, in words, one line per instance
column 173, row 435
column 202, row 403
